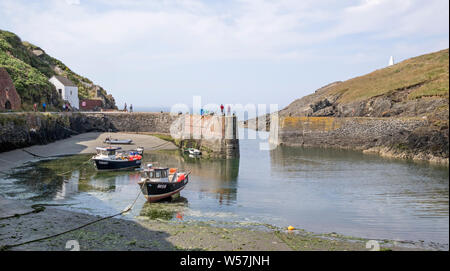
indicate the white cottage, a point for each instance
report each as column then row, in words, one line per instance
column 66, row 89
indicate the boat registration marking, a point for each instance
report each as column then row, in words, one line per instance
column 161, row 186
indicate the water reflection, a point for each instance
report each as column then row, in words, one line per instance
column 320, row 190
column 63, row 178
column 364, row 195
column 212, row 176
column 69, row 186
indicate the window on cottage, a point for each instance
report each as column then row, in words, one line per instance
column 60, row 91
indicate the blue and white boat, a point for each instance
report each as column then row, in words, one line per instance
column 108, row 158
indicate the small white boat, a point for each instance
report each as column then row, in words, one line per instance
column 109, row 140
column 193, row 152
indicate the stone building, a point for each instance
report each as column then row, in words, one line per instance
column 91, row 105
column 9, row 98
column 66, row 89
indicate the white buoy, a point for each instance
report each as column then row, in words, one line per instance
column 391, row 61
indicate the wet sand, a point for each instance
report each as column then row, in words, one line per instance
column 121, row 234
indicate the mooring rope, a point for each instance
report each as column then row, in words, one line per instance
column 157, row 146
column 37, row 208
column 68, row 129
column 35, row 155
column 127, row 209
column 64, row 173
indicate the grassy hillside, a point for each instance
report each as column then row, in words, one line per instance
column 415, row 87
column 428, row 72
column 30, row 68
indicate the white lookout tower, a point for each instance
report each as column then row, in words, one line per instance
column 391, row 61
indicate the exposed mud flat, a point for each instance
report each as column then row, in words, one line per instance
column 120, row 234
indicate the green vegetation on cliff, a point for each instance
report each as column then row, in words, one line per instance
column 427, row 74
column 415, row 87
column 30, row 68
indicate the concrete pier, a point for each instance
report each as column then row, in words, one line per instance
column 216, row 135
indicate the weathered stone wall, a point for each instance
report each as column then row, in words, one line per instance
column 359, row 133
column 215, row 135
column 137, row 122
column 25, row 129
column 410, row 138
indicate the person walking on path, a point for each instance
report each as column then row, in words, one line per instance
column 35, row 107
column 221, row 108
column 44, row 106
column 64, row 107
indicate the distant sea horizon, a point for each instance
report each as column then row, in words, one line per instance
column 150, row 108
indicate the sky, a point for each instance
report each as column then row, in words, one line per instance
column 163, row 52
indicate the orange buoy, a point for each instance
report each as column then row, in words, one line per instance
column 291, row 228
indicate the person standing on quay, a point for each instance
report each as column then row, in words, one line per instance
column 228, row 110
column 125, row 108
column 131, row 108
column 221, row 108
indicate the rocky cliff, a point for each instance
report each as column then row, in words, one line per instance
column 30, row 68
column 400, row 111
column 415, row 87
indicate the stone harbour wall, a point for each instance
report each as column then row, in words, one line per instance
column 137, row 122
column 215, row 135
column 407, row 138
column 18, row 130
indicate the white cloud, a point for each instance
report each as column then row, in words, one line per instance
column 244, row 29
column 139, row 37
column 72, row 2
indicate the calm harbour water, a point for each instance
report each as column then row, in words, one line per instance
column 319, row 190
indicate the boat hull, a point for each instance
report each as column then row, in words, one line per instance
column 103, row 164
column 155, row 191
